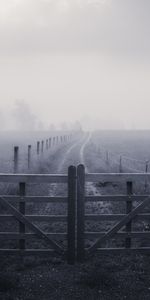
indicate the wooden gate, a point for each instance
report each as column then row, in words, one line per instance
column 27, row 222
column 72, row 241
column 134, row 205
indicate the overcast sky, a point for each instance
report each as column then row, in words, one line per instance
column 73, row 60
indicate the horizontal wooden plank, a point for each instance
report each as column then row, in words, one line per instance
column 112, row 231
column 88, row 235
column 27, row 252
column 116, row 177
column 88, row 217
column 34, row 178
column 140, row 234
column 18, row 236
column 39, row 218
column 143, row 250
column 22, row 218
column 37, row 199
column 113, row 217
column 115, row 198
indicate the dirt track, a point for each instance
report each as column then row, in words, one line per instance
column 100, row 278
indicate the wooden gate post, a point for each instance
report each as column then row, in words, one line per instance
column 71, row 214
column 38, row 148
column 42, row 147
column 29, row 156
column 128, row 210
column 16, row 158
column 80, row 212
column 120, row 164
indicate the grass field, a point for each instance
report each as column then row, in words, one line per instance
column 101, row 277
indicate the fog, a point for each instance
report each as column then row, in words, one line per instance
column 74, row 60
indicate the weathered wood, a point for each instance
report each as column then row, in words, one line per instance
column 31, row 226
column 116, row 177
column 38, row 148
column 63, row 218
column 100, row 198
column 38, row 218
column 71, row 214
column 120, row 165
column 138, row 235
column 143, row 250
column 114, row 217
column 36, row 199
column 80, row 212
column 87, row 235
column 29, row 157
column 119, row 225
column 26, row 252
column 47, row 144
column 42, row 147
column 128, row 210
column 33, row 178
column 22, row 192
column 18, row 236
column 16, row 159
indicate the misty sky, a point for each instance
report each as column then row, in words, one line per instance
column 70, row 60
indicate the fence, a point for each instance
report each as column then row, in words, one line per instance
column 36, row 152
column 76, row 216
column 123, row 163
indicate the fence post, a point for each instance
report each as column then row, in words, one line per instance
column 128, row 210
column 146, row 171
column 42, row 147
column 80, row 212
column 120, row 164
column 29, row 156
column 16, row 158
column 22, row 187
column 38, row 148
column 49, row 142
column 71, row 214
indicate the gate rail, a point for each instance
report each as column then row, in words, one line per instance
column 133, row 211
column 26, row 221
column 76, row 216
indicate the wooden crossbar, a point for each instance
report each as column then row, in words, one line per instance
column 30, row 225
column 118, row 226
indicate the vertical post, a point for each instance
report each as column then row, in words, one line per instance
column 42, row 147
column 16, row 158
column 128, row 210
column 80, row 212
column 22, row 211
column 71, row 213
column 49, row 142
column 46, row 144
column 38, row 148
column 29, row 156
column 120, row 164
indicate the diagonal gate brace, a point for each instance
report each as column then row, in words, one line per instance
column 33, row 227
column 119, row 225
